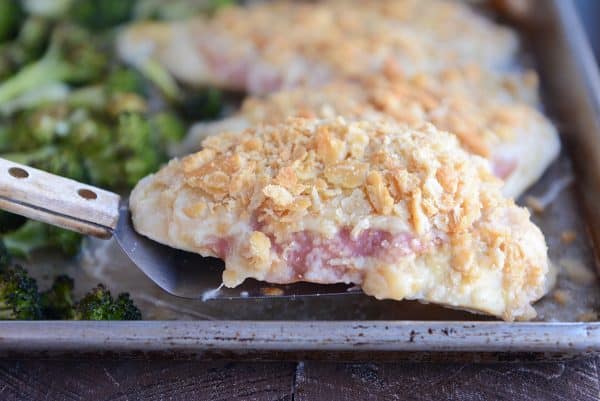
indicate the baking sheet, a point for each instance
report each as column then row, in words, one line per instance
column 103, row 261
column 572, row 89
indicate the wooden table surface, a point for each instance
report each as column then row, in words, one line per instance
column 114, row 379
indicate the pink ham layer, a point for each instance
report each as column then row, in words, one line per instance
column 503, row 167
column 239, row 72
column 306, row 249
column 247, row 72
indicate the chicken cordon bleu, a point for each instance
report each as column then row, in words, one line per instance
column 493, row 115
column 269, row 46
column 405, row 213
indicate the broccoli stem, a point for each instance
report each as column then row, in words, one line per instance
column 72, row 57
column 89, row 97
column 34, row 75
column 50, row 9
column 51, row 93
column 160, row 77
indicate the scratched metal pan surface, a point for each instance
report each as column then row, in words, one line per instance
column 567, row 318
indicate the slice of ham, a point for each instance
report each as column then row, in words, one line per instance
column 307, row 249
column 504, row 166
column 334, row 258
column 220, row 247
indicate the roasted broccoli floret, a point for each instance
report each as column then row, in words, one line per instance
column 71, row 114
column 99, row 304
column 34, row 235
column 112, row 146
column 29, row 45
column 130, row 156
column 72, row 57
column 125, row 309
column 135, row 145
column 95, row 305
column 121, row 91
column 100, row 14
column 33, row 129
column 124, row 80
column 40, row 126
column 55, row 160
column 167, row 128
column 57, row 302
column 96, row 98
column 19, row 297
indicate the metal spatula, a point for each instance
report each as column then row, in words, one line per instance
column 93, row 211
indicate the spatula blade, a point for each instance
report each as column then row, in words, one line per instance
column 190, row 275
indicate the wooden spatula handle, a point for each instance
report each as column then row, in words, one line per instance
column 57, row 200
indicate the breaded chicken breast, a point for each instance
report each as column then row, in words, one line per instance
column 270, row 46
column 493, row 115
column 403, row 212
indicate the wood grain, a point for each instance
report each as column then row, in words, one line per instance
column 564, row 381
column 98, row 380
column 116, row 380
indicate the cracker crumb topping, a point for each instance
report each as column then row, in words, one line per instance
column 398, row 171
column 568, row 236
column 562, row 297
column 482, row 108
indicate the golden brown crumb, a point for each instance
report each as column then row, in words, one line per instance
column 477, row 107
column 351, row 30
column 568, row 236
column 329, row 165
column 271, row 291
column 589, row 316
column 259, row 250
column 561, row 296
column 535, row 204
column 489, row 119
